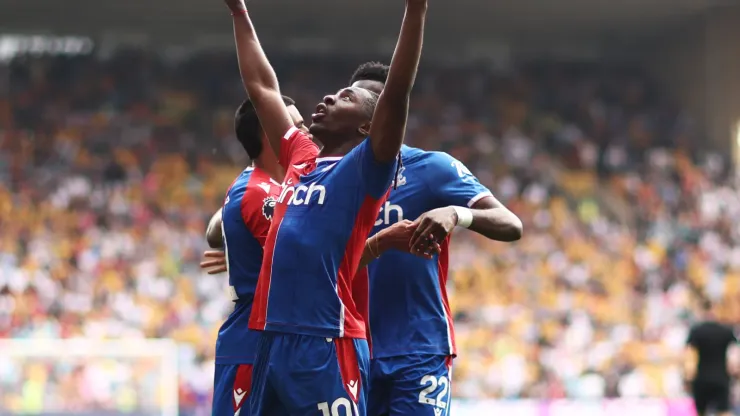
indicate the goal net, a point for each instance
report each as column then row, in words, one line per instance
column 55, row 377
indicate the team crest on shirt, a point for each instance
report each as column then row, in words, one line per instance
column 268, row 207
column 399, row 180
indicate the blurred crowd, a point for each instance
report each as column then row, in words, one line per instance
column 109, row 171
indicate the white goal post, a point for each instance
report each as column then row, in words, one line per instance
column 80, row 350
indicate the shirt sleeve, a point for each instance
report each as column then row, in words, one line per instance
column 377, row 176
column 253, row 211
column 296, row 147
column 452, row 182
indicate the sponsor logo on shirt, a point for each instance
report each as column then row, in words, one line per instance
column 303, row 195
column 385, row 214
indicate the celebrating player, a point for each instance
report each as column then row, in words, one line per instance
column 247, row 212
column 244, row 222
column 410, row 324
column 313, row 356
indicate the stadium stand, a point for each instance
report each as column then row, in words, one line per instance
column 110, row 170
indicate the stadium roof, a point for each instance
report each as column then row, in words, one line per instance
column 450, row 21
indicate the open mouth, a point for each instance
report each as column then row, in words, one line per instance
column 320, row 112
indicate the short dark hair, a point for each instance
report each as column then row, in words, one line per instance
column 370, row 103
column 370, row 71
column 248, row 128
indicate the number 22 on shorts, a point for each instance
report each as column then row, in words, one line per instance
column 432, row 383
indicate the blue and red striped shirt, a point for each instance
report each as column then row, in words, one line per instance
column 246, row 218
column 324, row 214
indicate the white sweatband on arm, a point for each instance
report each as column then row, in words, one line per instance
column 464, row 216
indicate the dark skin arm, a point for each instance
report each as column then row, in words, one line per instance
column 391, row 113
column 395, row 237
column 490, row 219
column 259, row 77
column 213, row 232
column 494, row 221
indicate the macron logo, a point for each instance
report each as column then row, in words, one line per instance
column 239, row 396
column 303, row 195
column 352, row 386
column 265, row 187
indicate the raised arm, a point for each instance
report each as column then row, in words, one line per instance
column 259, row 77
column 391, row 113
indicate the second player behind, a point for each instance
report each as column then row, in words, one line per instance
column 411, row 326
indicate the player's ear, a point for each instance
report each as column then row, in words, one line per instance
column 364, row 129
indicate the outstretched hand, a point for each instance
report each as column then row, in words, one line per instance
column 214, row 262
column 431, row 229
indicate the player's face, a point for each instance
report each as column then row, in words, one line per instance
column 297, row 118
column 374, row 86
column 341, row 114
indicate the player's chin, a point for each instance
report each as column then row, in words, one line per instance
column 316, row 127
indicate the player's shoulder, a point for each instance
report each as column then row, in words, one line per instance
column 303, row 148
column 241, row 182
column 295, row 133
column 260, row 175
column 260, row 196
column 260, row 182
column 412, row 155
column 409, row 153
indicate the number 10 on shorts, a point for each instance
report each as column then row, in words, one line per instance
column 340, row 407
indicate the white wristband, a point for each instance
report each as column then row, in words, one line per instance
column 464, row 216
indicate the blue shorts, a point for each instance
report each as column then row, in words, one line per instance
column 418, row 385
column 231, row 386
column 299, row 375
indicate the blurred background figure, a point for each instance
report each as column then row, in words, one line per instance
column 609, row 128
column 712, row 359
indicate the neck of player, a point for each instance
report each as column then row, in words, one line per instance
column 338, row 148
column 269, row 165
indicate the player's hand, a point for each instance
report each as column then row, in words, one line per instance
column 431, row 229
column 236, row 6
column 397, row 237
column 214, row 262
